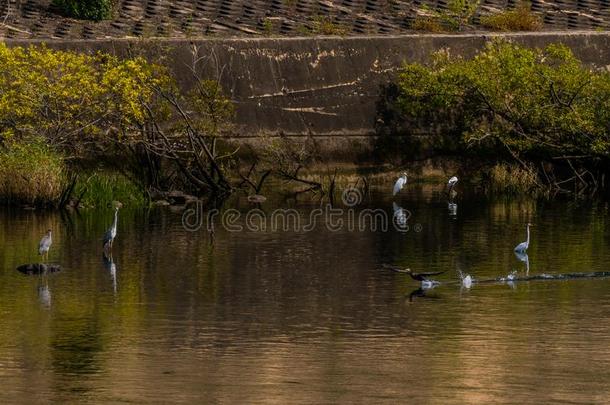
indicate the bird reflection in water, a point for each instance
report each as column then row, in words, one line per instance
column 422, row 293
column 44, row 293
column 452, row 208
column 522, row 257
column 111, row 269
column 400, row 215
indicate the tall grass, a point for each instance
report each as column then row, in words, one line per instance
column 30, row 173
column 513, row 179
column 101, row 189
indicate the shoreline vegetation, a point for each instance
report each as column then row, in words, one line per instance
column 83, row 130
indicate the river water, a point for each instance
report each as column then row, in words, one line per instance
column 309, row 314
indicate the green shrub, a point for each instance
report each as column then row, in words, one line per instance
column 508, row 98
column 519, row 19
column 542, row 109
column 30, row 173
column 72, row 99
column 95, row 10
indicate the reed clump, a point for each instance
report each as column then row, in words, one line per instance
column 31, row 173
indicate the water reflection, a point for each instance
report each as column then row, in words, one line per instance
column 400, row 215
column 110, row 267
column 293, row 316
column 522, row 256
column 44, row 293
column 452, row 208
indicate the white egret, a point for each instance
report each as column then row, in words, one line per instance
column 467, row 281
column 452, row 182
column 45, row 244
column 400, row 183
column 522, row 247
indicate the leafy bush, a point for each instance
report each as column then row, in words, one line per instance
column 72, row 99
column 540, row 102
column 30, row 173
column 519, row 19
column 95, row 10
column 526, row 104
column 89, row 107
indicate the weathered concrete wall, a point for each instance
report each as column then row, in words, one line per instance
column 326, row 87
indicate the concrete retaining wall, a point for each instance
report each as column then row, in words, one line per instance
column 326, row 87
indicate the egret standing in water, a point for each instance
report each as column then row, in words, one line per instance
column 400, row 183
column 111, row 232
column 522, row 247
column 45, row 244
column 451, row 183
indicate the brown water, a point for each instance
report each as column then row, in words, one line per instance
column 308, row 317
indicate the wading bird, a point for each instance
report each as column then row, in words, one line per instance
column 45, row 244
column 400, row 183
column 111, row 232
column 522, row 247
column 451, row 183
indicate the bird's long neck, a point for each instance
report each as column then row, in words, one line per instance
column 116, row 219
column 528, row 235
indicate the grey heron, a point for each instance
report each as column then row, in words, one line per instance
column 111, row 232
column 522, row 247
column 45, row 244
column 400, row 183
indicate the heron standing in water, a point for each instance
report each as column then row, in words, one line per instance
column 111, row 232
column 45, row 244
column 522, row 247
column 400, row 183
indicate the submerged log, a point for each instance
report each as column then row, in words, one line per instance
column 38, row 268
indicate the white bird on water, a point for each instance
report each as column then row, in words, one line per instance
column 451, row 183
column 45, row 244
column 522, row 247
column 467, row 281
column 111, row 232
column 400, row 183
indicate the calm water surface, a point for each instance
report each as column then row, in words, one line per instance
column 308, row 317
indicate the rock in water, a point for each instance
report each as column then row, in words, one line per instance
column 257, row 198
column 38, row 268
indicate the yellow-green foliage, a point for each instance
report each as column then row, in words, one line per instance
column 30, row 173
column 511, row 99
column 67, row 96
column 519, row 19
